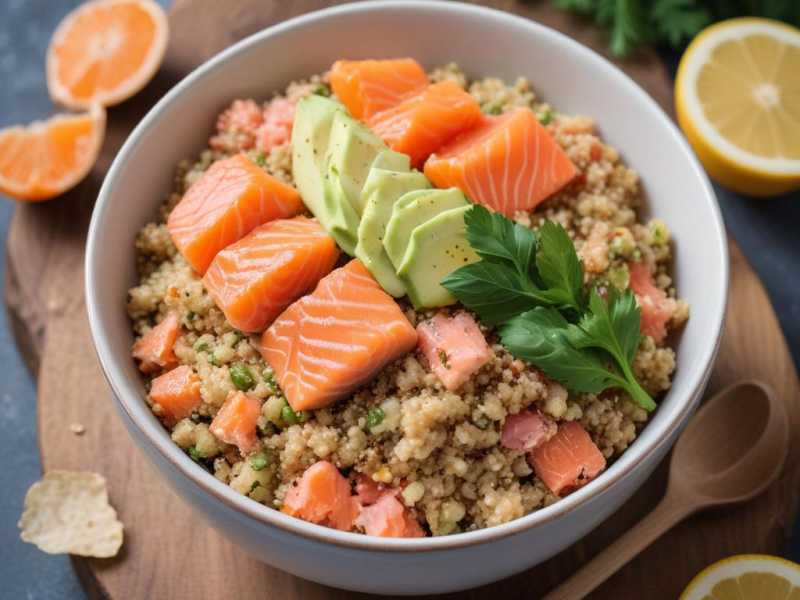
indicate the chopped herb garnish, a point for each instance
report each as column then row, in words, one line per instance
column 202, row 347
column 492, row 109
column 321, row 90
column 482, row 423
column 269, row 379
column 546, row 117
column 254, row 485
column 241, row 377
column 375, row 417
column 532, row 286
column 443, row 358
column 194, row 454
column 261, row 159
column 258, row 461
column 191, row 315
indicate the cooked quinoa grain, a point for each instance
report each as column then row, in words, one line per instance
column 404, row 429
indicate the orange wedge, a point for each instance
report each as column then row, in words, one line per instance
column 47, row 158
column 105, row 51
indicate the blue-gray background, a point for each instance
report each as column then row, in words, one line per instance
column 766, row 230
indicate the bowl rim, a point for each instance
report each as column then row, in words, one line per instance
column 130, row 401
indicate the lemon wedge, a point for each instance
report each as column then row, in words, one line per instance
column 737, row 96
column 746, row 577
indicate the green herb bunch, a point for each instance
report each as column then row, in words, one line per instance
column 531, row 286
column 632, row 23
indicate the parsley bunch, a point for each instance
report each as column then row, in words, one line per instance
column 531, row 286
column 632, row 23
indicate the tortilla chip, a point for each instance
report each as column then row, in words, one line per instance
column 68, row 512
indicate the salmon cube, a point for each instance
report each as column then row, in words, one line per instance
column 177, row 392
column 568, row 461
column 228, row 201
column 235, row 423
column 527, row 430
column 508, row 163
column 656, row 307
column 423, row 123
column 154, row 348
column 367, row 87
column 454, row 347
column 336, row 339
column 253, row 280
column 388, row 517
column 322, row 496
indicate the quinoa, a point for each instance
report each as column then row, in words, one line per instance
column 441, row 447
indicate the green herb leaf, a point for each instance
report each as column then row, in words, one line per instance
column 498, row 239
column 559, row 266
column 540, row 336
column 375, row 417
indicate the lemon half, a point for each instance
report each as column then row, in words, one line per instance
column 746, row 577
column 737, row 96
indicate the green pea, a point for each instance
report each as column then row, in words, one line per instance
column 288, row 416
column 258, row 462
column 375, row 417
column 241, row 377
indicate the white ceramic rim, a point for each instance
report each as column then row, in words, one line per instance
column 130, row 401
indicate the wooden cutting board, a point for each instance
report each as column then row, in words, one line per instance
column 171, row 553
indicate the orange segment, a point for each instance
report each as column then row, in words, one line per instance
column 508, row 163
column 367, row 87
column 154, row 348
column 230, row 200
column 253, row 280
column 423, row 123
column 47, row 158
column 105, row 51
column 177, row 392
column 235, row 423
column 330, row 342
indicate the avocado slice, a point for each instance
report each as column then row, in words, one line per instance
column 381, row 191
column 310, row 134
column 436, row 248
column 352, row 151
column 411, row 211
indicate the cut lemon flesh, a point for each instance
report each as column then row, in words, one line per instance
column 47, row 158
column 105, row 51
column 746, row 577
column 737, row 96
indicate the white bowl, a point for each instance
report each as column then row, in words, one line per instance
column 484, row 42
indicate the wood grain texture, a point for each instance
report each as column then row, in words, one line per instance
column 170, row 553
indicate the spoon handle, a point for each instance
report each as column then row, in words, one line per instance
column 667, row 513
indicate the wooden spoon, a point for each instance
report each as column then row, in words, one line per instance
column 729, row 452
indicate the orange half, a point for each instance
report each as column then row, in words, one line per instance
column 47, row 158
column 105, row 51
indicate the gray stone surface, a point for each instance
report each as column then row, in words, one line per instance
column 766, row 229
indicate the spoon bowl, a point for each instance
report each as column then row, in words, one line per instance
column 733, row 448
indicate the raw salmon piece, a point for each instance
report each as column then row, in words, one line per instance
column 388, row 518
column 235, row 422
column 330, row 342
column 367, row 87
column 656, row 307
column 154, row 348
column 177, row 392
column 322, row 496
column 253, row 280
column 425, row 122
column 567, row 461
column 508, row 163
column 230, row 200
column 277, row 126
column 527, row 430
column 454, row 346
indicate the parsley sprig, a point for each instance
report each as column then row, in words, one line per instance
column 632, row 23
column 531, row 286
